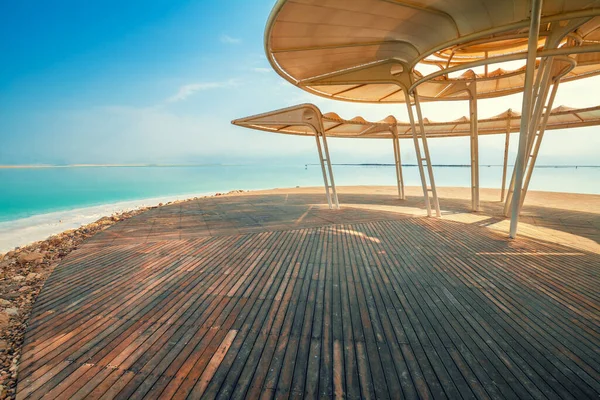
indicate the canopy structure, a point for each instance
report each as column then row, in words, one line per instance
column 308, row 120
column 358, row 51
column 408, row 51
column 282, row 121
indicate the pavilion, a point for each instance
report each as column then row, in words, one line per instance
column 380, row 51
column 307, row 120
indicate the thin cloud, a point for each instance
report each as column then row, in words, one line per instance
column 230, row 40
column 262, row 70
column 188, row 90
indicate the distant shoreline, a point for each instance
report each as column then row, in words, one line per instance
column 454, row 165
column 42, row 166
column 35, row 166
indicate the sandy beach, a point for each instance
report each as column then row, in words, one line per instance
column 24, row 231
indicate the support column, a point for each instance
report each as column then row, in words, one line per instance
column 330, row 190
column 534, row 29
column 506, row 144
column 538, row 104
column 322, row 161
column 535, row 146
column 543, row 107
column 330, row 168
column 398, row 163
column 474, row 147
column 424, row 155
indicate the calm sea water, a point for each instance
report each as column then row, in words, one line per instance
column 28, row 192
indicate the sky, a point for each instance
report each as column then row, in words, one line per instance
column 159, row 82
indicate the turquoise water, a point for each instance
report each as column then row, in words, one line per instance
column 28, row 192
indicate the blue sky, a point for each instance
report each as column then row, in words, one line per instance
column 160, row 81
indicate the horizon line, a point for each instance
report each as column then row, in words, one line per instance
column 143, row 165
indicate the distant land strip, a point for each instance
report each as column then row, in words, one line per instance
column 34, row 166
column 456, row 165
column 16, row 166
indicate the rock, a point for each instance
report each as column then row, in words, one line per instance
column 4, row 320
column 4, row 303
column 24, row 289
column 3, row 345
column 12, row 312
column 55, row 240
column 35, row 256
column 18, row 278
column 32, row 276
column 14, row 366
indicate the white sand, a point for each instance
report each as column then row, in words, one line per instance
column 24, row 231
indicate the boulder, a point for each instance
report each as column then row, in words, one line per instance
column 12, row 312
column 32, row 276
column 35, row 256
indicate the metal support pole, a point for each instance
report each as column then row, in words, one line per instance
column 538, row 125
column 420, row 157
column 538, row 141
column 415, row 136
column 505, row 164
column 474, row 151
column 325, row 181
column 330, row 168
column 540, row 95
column 398, row 164
column 534, row 29
column 427, row 157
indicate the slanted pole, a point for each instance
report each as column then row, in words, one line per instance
column 534, row 29
column 538, row 141
column 330, row 168
column 427, row 157
column 474, row 151
column 322, row 161
column 398, row 163
column 505, row 165
column 413, row 128
column 540, row 94
column 420, row 159
column 537, row 125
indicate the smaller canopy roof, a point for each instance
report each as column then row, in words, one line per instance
column 305, row 119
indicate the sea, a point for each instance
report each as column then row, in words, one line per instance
column 38, row 202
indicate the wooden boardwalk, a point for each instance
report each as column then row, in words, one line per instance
column 272, row 295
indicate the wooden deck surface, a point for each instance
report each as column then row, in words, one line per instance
column 272, row 295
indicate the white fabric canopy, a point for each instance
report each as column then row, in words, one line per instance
column 322, row 46
column 299, row 120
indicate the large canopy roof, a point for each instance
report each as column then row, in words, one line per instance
column 349, row 50
column 304, row 118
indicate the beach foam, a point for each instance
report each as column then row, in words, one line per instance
column 21, row 232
